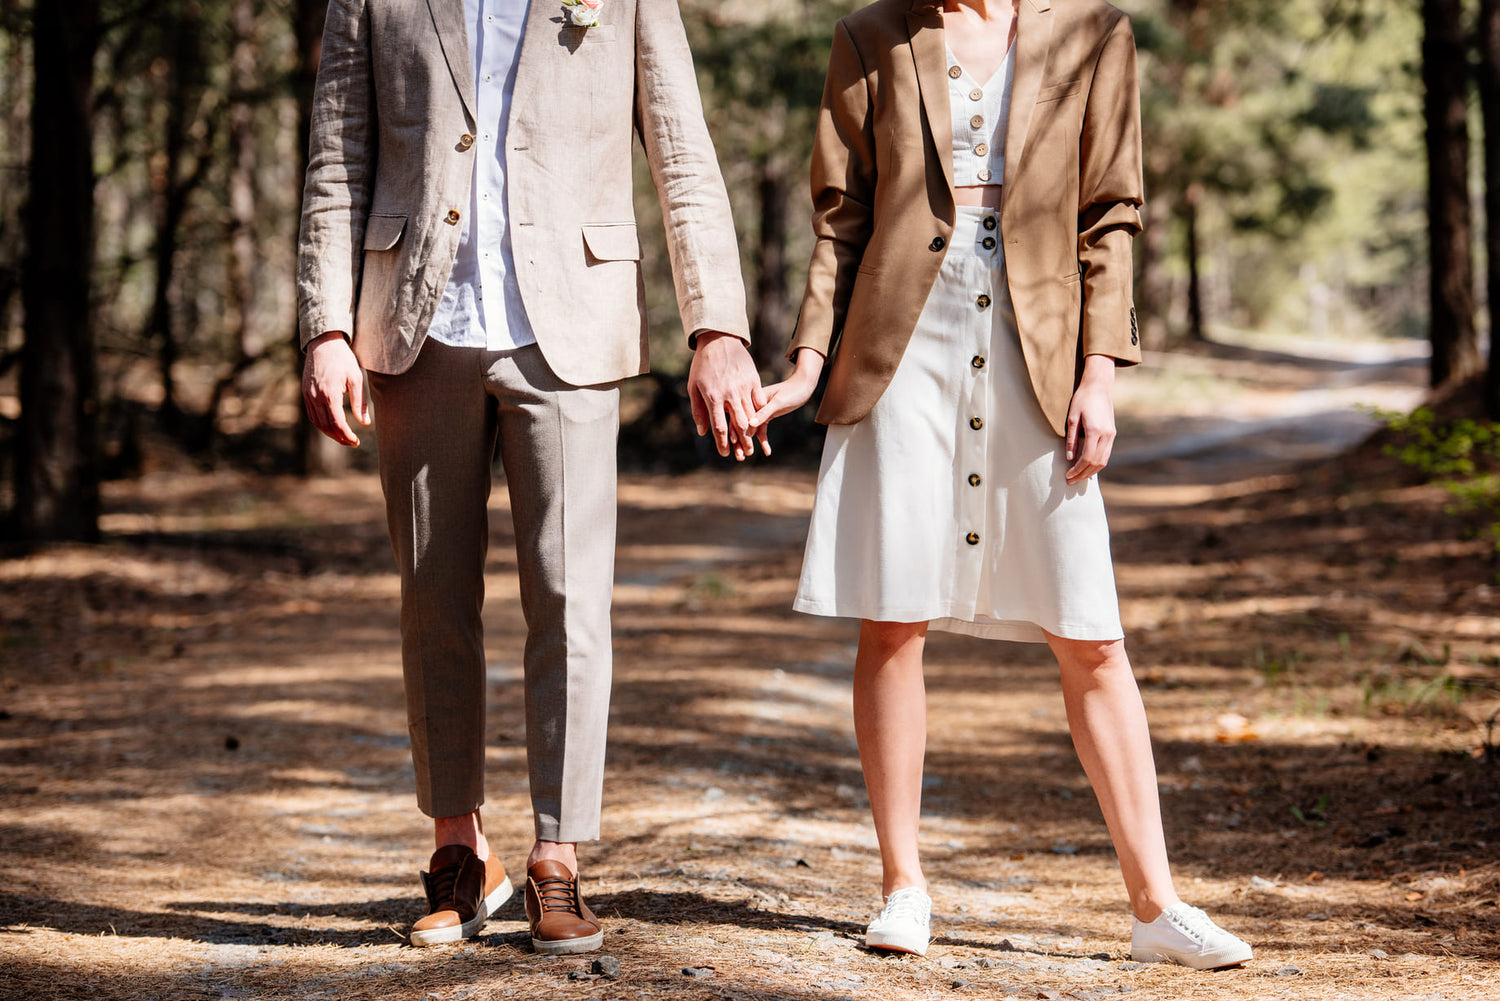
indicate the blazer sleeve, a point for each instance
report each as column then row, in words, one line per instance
column 1109, row 198
column 843, row 196
column 701, row 241
column 340, row 169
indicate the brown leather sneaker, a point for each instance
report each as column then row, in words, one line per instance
column 462, row 892
column 560, row 921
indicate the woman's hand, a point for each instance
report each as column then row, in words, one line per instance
column 1091, row 419
column 788, row 395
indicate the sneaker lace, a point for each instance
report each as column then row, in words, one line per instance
column 558, row 894
column 1193, row 922
column 908, row 904
column 440, row 885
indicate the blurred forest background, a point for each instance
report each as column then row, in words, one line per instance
column 1310, row 168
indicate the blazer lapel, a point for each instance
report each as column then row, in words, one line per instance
column 448, row 18
column 542, row 21
column 1033, row 39
column 924, row 22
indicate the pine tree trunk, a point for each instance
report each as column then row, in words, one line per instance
column 243, row 259
column 314, row 451
column 1190, row 202
column 1489, row 98
column 773, row 307
column 57, row 453
column 1455, row 350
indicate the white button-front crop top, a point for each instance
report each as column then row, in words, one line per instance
column 980, row 114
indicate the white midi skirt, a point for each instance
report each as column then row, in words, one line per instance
column 948, row 503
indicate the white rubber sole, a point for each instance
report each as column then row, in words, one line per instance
column 470, row 928
column 896, row 943
column 568, row 946
column 1218, row 960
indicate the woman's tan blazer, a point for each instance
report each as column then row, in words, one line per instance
column 883, row 210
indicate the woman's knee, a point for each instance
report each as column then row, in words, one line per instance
column 879, row 642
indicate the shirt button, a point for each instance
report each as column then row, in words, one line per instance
column 972, row 538
column 453, row 217
column 976, row 423
column 983, row 149
column 984, row 175
column 978, row 361
column 977, row 122
column 974, row 480
column 989, row 222
column 989, row 243
column 465, row 141
column 954, row 72
column 983, row 302
column 937, row 243
column 976, row 94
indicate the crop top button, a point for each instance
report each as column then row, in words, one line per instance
column 954, row 72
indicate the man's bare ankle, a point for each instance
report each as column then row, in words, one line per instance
column 555, row 851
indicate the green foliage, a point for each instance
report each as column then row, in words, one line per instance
column 1463, row 455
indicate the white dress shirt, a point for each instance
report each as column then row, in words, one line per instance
column 466, row 316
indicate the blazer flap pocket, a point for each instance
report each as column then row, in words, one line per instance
column 1059, row 91
column 612, row 241
column 382, row 231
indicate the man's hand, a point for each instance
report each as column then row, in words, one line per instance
column 1091, row 419
column 724, row 390
column 329, row 372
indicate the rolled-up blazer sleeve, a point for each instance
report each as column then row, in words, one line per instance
column 701, row 240
column 1110, row 192
column 843, row 195
column 340, row 173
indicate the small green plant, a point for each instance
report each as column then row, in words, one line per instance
column 1315, row 815
column 1434, row 696
column 710, row 587
column 1462, row 455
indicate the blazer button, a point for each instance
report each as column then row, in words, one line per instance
column 983, row 302
column 989, row 222
column 452, row 217
column 989, row 243
column 974, row 480
column 976, row 423
column 938, row 243
column 972, row 538
column 978, row 361
column 465, row 141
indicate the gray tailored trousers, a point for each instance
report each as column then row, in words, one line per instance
column 437, row 426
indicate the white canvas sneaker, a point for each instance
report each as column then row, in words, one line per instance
column 905, row 924
column 1185, row 935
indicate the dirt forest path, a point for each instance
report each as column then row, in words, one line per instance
column 207, row 793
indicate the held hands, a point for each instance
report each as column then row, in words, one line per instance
column 724, row 390
column 1091, row 419
column 788, row 395
column 328, row 372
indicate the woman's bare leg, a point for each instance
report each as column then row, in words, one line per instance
column 1108, row 723
column 890, row 723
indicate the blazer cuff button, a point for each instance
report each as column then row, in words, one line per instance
column 938, row 243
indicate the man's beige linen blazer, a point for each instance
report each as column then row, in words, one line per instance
column 391, row 163
column 883, row 210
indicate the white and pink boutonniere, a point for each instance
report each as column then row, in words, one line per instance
column 584, row 13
